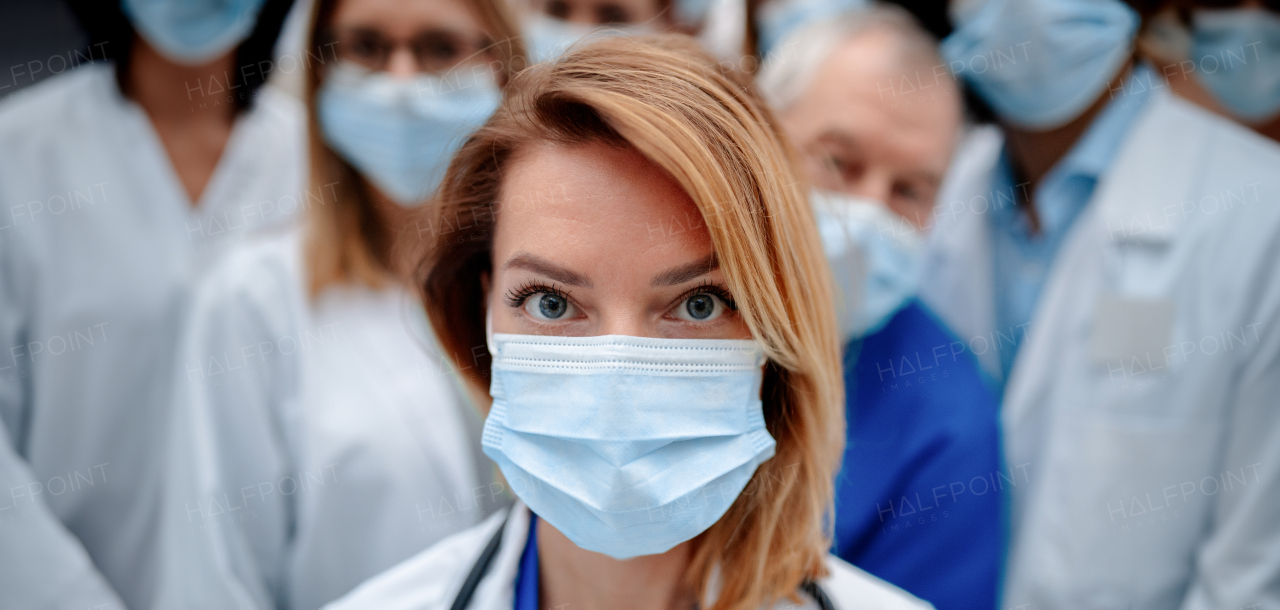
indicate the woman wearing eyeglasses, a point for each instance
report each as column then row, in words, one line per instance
column 318, row 437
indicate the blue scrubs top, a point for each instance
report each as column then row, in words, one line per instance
column 527, row 575
column 920, row 499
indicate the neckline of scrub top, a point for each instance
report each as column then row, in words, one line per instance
column 222, row 176
column 527, row 576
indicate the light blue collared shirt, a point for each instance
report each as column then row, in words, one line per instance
column 1022, row 259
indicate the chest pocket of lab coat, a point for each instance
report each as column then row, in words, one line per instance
column 1135, row 360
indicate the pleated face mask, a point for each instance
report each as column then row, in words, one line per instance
column 1040, row 63
column 627, row 445
column 193, row 32
column 402, row 133
column 1238, row 51
column 875, row 257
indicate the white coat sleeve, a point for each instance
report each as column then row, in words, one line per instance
column 226, row 523
column 1238, row 565
column 42, row 565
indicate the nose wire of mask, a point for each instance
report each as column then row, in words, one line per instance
column 1041, row 63
column 400, row 133
column 193, row 32
column 1245, row 47
column 547, row 38
column 627, row 445
column 875, row 257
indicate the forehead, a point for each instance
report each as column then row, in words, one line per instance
column 864, row 86
column 597, row 197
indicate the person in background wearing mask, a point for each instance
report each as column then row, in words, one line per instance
column 552, row 26
column 119, row 182
column 338, row 435
column 778, row 20
column 720, row 26
column 1112, row 254
column 666, row 401
column 607, row 12
column 1223, row 55
column 875, row 140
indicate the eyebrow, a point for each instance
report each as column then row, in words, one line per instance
column 542, row 266
column 850, row 145
column 679, row 275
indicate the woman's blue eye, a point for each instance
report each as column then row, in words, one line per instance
column 701, row 307
column 552, row 306
column 547, row 306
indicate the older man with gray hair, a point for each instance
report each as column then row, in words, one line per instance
column 920, row 499
column 870, row 106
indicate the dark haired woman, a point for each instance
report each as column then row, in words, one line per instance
column 119, row 180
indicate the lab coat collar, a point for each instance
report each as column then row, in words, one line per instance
column 496, row 590
column 1141, row 198
column 958, row 274
column 1097, row 148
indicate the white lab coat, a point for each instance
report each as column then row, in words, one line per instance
column 99, row 247
column 1142, row 414
column 318, row 442
column 39, row 549
column 431, row 580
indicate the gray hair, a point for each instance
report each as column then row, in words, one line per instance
column 789, row 70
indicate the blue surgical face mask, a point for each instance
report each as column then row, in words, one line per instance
column 400, row 133
column 547, row 38
column 875, row 257
column 1041, row 63
column 193, row 32
column 627, row 445
column 1246, row 45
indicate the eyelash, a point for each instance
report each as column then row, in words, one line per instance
column 516, row 297
column 711, row 288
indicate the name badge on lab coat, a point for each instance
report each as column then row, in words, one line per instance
column 1125, row 328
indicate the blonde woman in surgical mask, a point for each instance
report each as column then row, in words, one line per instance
column 319, row 439
column 655, row 324
column 553, row 26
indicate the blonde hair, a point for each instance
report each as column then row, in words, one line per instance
column 709, row 130
column 344, row 238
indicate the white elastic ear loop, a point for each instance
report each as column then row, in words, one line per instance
column 488, row 333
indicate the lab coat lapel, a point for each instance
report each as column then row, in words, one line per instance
column 957, row 278
column 1136, row 205
column 496, row 590
column 1140, row 198
column 1116, row 247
